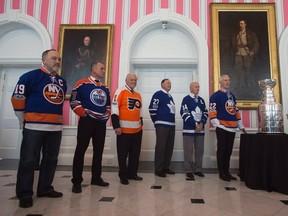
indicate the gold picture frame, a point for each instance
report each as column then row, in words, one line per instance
column 79, row 45
column 225, row 27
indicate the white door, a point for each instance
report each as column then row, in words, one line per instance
column 149, row 81
column 10, row 134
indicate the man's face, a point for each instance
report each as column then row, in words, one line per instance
column 86, row 41
column 225, row 82
column 131, row 81
column 242, row 25
column 166, row 85
column 194, row 88
column 52, row 61
column 98, row 71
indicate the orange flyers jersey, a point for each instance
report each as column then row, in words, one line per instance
column 127, row 105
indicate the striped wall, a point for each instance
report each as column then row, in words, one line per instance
column 123, row 13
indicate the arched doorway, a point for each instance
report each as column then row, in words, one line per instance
column 17, row 58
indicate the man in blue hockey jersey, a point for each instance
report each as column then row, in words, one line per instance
column 225, row 116
column 162, row 113
column 38, row 100
column 194, row 114
column 90, row 100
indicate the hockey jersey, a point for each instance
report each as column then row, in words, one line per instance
column 91, row 98
column 223, row 111
column 126, row 110
column 193, row 110
column 162, row 109
column 38, row 100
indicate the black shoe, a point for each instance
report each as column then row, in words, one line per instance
column 231, row 177
column 124, row 181
column 51, row 194
column 77, row 188
column 190, row 176
column 160, row 174
column 100, row 182
column 168, row 171
column 26, row 202
column 136, row 177
column 200, row 174
column 224, row 177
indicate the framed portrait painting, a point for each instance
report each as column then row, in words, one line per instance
column 79, row 46
column 244, row 46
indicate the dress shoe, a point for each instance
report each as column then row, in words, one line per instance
column 168, row 171
column 160, row 174
column 136, row 177
column 100, row 182
column 231, row 177
column 77, row 188
column 51, row 194
column 224, row 177
column 26, row 202
column 190, row 176
column 124, row 181
column 200, row 174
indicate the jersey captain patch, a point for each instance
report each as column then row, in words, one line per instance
column 98, row 97
column 53, row 93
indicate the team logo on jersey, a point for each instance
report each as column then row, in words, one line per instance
column 134, row 103
column 197, row 114
column 53, row 93
column 98, row 97
column 171, row 107
column 230, row 107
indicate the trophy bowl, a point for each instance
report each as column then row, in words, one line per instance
column 267, row 83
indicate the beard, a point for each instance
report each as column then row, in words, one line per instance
column 56, row 68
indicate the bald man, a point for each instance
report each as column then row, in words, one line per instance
column 127, row 123
column 194, row 114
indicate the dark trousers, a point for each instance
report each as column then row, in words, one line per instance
column 225, row 141
column 32, row 143
column 164, row 147
column 128, row 146
column 89, row 128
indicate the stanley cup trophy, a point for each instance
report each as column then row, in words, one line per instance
column 270, row 116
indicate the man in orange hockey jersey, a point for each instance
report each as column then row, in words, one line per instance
column 127, row 123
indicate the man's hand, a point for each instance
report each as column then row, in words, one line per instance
column 117, row 131
column 199, row 127
column 243, row 130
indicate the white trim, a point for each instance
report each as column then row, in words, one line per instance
column 51, row 17
column 96, row 11
column 16, row 17
column 125, row 17
column 66, row 11
column 37, row 9
column 111, row 11
column 279, row 16
column 283, row 59
column 81, row 12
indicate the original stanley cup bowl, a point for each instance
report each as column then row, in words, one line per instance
column 270, row 118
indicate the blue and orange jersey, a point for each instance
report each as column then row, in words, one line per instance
column 224, row 108
column 91, row 98
column 126, row 105
column 39, row 97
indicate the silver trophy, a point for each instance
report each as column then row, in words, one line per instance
column 270, row 116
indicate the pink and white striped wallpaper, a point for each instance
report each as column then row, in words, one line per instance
column 123, row 14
